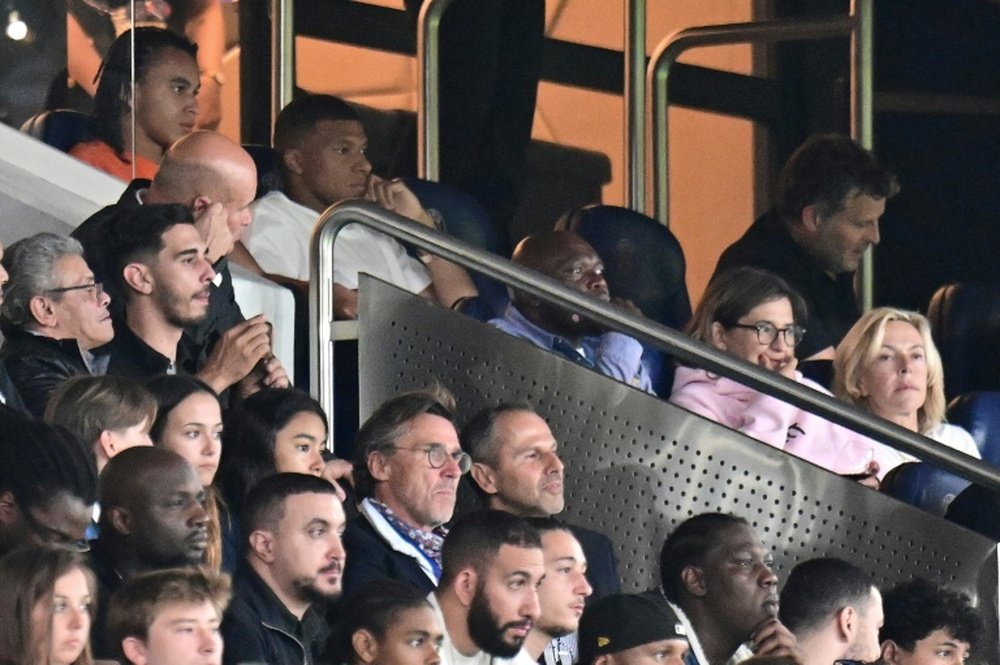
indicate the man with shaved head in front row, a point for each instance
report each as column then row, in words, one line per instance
column 566, row 257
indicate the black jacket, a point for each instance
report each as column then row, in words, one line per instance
column 370, row 557
column 257, row 628
column 37, row 365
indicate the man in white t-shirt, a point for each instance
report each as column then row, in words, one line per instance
column 320, row 144
column 487, row 600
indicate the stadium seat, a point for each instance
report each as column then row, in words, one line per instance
column 979, row 414
column 61, row 128
column 644, row 263
column 924, row 486
column 965, row 322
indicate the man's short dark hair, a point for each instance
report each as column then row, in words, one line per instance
column 264, row 506
column 296, row 121
column 688, row 545
column 824, row 170
column 915, row 609
column 476, row 538
column 383, row 429
column 135, row 606
column 39, row 461
column 136, row 233
column 819, row 588
column 479, row 435
column 544, row 525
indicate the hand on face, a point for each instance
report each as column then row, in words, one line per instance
column 395, row 196
column 771, row 638
column 213, row 227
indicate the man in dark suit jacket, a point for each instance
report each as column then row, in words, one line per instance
column 516, row 468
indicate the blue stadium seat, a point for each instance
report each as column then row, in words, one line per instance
column 979, row 414
column 61, row 128
column 644, row 263
column 924, row 486
column 965, row 321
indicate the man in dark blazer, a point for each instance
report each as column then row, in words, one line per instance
column 516, row 468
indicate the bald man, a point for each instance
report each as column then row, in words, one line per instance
column 567, row 257
column 217, row 180
column 152, row 517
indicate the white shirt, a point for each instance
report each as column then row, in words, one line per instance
column 280, row 237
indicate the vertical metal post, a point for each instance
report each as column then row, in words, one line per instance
column 862, row 128
column 282, row 55
column 429, row 98
column 635, row 105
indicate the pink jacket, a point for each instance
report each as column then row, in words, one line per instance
column 779, row 424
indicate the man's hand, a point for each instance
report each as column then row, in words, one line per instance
column 237, row 352
column 345, row 302
column 395, row 196
column 771, row 638
column 211, row 222
column 268, row 373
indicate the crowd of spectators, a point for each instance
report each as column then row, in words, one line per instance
column 166, row 496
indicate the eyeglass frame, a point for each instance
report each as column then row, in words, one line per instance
column 97, row 286
column 52, row 536
column 797, row 330
column 462, row 458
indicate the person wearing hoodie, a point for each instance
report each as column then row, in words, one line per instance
column 754, row 314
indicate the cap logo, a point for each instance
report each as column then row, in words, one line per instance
column 679, row 629
column 603, row 641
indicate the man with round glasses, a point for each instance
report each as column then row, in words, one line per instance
column 54, row 314
column 407, row 465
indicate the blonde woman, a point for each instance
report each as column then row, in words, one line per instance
column 887, row 364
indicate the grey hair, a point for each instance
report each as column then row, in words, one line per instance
column 30, row 264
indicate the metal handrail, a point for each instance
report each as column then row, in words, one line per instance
column 683, row 348
column 635, row 105
column 282, row 55
column 857, row 24
column 429, row 101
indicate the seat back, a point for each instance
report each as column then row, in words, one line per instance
column 965, row 322
column 60, row 128
column 924, row 486
column 979, row 414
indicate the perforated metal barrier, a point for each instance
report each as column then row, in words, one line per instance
column 637, row 466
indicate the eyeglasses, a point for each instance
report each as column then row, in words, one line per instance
column 767, row 332
column 438, row 456
column 98, row 289
column 51, row 536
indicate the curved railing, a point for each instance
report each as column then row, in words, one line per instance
column 680, row 346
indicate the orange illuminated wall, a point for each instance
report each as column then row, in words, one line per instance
column 712, row 157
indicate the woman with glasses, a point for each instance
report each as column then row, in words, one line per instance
column 276, row 430
column 46, row 607
column 754, row 315
column 887, row 364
